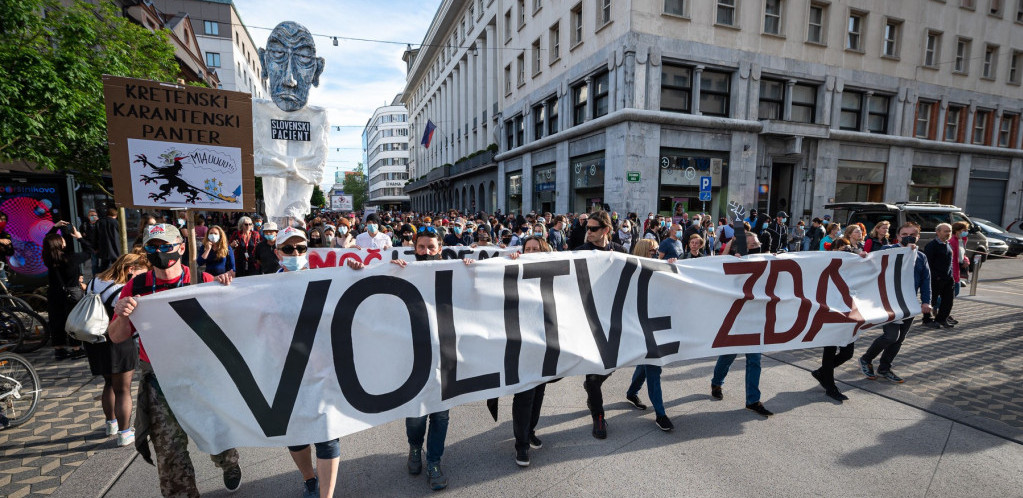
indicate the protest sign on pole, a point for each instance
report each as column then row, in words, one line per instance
column 284, row 359
column 176, row 146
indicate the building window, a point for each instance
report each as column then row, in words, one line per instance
column 995, row 8
column 877, row 113
column 522, row 14
column 1007, row 129
column 539, row 116
column 1019, row 10
column 579, row 97
column 859, row 181
column 962, row 61
column 1015, row 66
column 953, row 120
column 815, row 30
column 772, row 17
column 726, row 12
column 675, row 7
column 772, row 99
column 980, row 127
column 968, row 4
column 537, row 5
column 507, row 80
column 932, row 49
column 929, row 184
column 213, row 59
column 552, row 115
column 924, row 119
column 508, row 26
column 509, row 134
column 555, row 41
column 600, row 95
column 536, row 57
column 521, row 79
column 603, row 13
column 520, row 130
column 804, row 102
column 714, row 93
column 211, row 28
column 577, row 24
column 892, row 38
column 854, row 34
column 852, row 103
column 990, row 61
column 676, row 88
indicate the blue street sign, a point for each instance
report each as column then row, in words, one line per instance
column 705, row 196
column 705, row 184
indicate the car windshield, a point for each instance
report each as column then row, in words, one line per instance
column 988, row 226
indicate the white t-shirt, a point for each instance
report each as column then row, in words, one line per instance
column 378, row 241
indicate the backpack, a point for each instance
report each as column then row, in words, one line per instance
column 88, row 320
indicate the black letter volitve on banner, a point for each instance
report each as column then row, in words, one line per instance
column 344, row 349
column 450, row 385
column 272, row 419
column 546, row 271
column 646, row 322
column 512, row 329
column 609, row 345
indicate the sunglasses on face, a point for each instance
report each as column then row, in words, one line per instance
column 290, row 249
column 247, row 224
column 161, row 248
column 594, row 228
column 427, row 229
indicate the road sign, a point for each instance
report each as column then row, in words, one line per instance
column 705, row 182
column 632, row 176
column 705, row 196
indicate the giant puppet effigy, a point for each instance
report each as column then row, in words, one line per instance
column 289, row 137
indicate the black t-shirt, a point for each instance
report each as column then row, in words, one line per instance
column 611, row 246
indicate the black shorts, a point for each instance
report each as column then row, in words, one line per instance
column 108, row 358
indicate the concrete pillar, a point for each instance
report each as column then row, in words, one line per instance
column 786, row 113
column 941, row 117
column 826, row 175
column 493, row 83
column 898, row 174
column 632, row 146
column 967, row 133
column 694, row 98
column 563, row 180
column 589, row 99
column 836, row 105
column 865, row 110
column 527, row 183
column 1014, row 197
column 963, row 179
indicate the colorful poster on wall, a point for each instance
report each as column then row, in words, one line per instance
column 174, row 146
column 31, row 209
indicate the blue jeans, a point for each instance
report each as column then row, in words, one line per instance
column 752, row 374
column 652, row 375
column 415, row 429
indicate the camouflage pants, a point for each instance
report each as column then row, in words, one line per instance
column 177, row 476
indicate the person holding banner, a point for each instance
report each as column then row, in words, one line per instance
column 345, row 239
column 598, row 238
column 215, row 255
column 834, row 356
column 154, row 419
column 265, row 257
column 457, row 237
column 890, row 341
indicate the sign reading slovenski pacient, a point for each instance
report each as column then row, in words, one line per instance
column 174, row 146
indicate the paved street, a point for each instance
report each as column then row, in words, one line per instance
column 955, row 428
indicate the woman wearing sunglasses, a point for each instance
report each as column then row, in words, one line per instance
column 244, row 244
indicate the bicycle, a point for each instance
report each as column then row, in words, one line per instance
column 35, row 330
column 19, row 390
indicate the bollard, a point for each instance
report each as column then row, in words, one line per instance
column 977, row 261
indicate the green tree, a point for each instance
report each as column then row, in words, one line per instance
column 317, row 200
column 355, row 186
column 52, row 59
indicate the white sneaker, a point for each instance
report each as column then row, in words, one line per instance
column 111, row 427
column 125, row 438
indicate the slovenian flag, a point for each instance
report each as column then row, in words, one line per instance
column 428, row 134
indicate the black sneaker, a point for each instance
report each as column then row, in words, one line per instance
column 534, row 442
column 632, row 398
column 664, row 423
column 415, row 461
column 817, row 375
column 60, row 354
column 946, row 324
column 932, row 324
column 435, row 476
column 233, row 478
column 715, row 392
column 311, row 488
column 76, row 354
column 599, row 427
column 836, row 395
column 892, row 377
column 522, row 458
column 759, row 408
column 951, row 320
column 868, row 369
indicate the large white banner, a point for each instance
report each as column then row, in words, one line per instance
column 326, row 258
column 291, row 358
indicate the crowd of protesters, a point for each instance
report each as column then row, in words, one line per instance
column 237, row 246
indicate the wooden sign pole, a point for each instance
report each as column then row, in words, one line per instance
column 193, row 265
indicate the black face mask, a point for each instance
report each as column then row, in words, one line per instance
column 407, row 236
column 315, row 241
column 163, row 260
column 427, row 257
column 908, row 240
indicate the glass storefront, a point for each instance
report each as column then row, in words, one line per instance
column 858, row 181
column 930, row 184
column 679, row 182
column 544, row 187
column 514, row 185
column 587, row 174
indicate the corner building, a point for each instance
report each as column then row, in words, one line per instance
column 784, row 104
column 385, row 142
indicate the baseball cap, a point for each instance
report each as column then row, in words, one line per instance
column 781, row 214
column 163, row 232
column 288, row 233
column 269, row 226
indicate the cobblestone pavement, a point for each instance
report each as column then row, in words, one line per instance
column 975, row 366
column 67, row 429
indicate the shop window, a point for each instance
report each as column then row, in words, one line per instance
column 859, row 181
column 513, row 184
column 679, row 192
column 587, row 176
column 676, row 88
column 929, row 184
column 544, row 187
column 714, row 93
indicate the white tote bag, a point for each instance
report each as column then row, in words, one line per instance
column 88, row 320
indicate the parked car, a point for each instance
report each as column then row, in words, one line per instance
column 926, row 214
column 1015, row 227
column 1013, row 242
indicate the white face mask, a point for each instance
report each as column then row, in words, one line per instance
column 214, row 237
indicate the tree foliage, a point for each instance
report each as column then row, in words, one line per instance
column 317, row 199
column 52, row 59
column 355, row 186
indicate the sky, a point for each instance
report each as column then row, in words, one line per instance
column 358, row 76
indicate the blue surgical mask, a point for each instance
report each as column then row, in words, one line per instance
column 294, row 263
column 342, row 230
column 270, row 236
column 784, row 220
column 679, row 234
column 824, row 222
column 538, row 234
column 456, row 230
column 664, row 223
column 258, row 225
column 371, row 228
